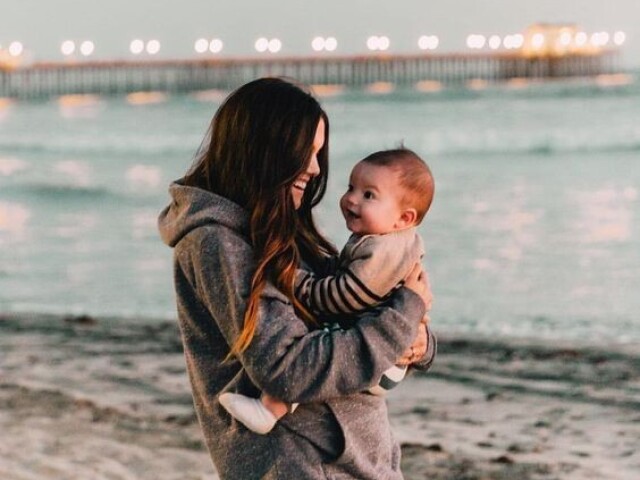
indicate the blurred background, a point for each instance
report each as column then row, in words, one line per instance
column 528, row 114
column 535, row 228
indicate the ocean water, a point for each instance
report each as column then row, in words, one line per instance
column 534, row 232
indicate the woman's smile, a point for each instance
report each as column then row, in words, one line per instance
column 301, row 184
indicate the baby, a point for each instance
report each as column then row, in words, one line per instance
column 389, row 194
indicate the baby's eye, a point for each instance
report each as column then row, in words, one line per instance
column 350, row 188
column 368, row 195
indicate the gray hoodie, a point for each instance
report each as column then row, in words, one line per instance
column 338, row 431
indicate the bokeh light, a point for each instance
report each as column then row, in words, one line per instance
column 68, row 47
column 262, row 44
column 619, row 38
column 216, row 45
column 317, row 44
column 87, row 48
column 565, row 39
column 16, row 49
column 476, row 41
column 330, row 44
column 136, row 46
column 581, row 39
column 494, row 42
column 511, row 42
column 428, row 42
column 537, row 41
column 275, row 45
column 378, row 43
column 153, row 47
column 201, row 45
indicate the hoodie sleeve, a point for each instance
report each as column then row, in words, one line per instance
column 285, row 358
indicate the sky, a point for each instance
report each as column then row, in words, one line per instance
column 42, row 25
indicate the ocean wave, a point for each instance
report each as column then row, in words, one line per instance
column 61, row 191
column 478, row 146
column 561, row 88
column 542, row 148
column 109, row 147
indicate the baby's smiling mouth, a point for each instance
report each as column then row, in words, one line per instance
column 352, row 215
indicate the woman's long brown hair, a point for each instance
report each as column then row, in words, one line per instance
column 260, row 141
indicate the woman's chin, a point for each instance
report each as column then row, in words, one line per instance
column 296, row 196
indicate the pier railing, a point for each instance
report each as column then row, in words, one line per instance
column 122, row 77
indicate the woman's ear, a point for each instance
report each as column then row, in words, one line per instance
column 407, row 218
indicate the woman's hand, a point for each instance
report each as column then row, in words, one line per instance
column 418, row 349
column 418, row 282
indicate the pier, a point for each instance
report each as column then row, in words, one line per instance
column 44, row 80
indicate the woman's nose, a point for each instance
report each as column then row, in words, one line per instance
column 314, row 167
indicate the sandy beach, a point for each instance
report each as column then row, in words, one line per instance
column 109, row 399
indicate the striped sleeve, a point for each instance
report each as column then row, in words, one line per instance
column 342, row 293
column 372, row 267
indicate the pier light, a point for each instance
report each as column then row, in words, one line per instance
column 378, row 43
column 494, row 42
column 318, row 44
column 262, row 44
column 619, row 38
column 68, row 47
column 581, row 39
column 153, row 47
column 136, row 46
column 599, row 39
column 428, row 42
column 16, row 49
column 216, row 45
column 87, row 48
column 518, row 40
column 201, row 45
column 275, row 45
column 511, row 42
column 537, row 41
column 330, row 44
column 476, row 41
column 565, row 39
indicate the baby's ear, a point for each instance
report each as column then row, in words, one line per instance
column 408, row 218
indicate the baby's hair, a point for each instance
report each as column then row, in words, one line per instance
column 415, row 177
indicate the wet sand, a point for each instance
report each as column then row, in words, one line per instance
column 109, row 399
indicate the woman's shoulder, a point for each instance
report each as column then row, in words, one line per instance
column 213, row 246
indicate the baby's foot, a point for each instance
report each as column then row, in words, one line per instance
column 391, row 377
column 249, row 411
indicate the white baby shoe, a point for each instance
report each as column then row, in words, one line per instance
column 249, row 411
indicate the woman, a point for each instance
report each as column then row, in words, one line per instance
column 240, row 223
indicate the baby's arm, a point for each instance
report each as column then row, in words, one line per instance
column 373, row 267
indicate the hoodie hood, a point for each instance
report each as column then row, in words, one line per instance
column 193, row 207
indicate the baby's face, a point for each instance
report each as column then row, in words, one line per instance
column 372, row 203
